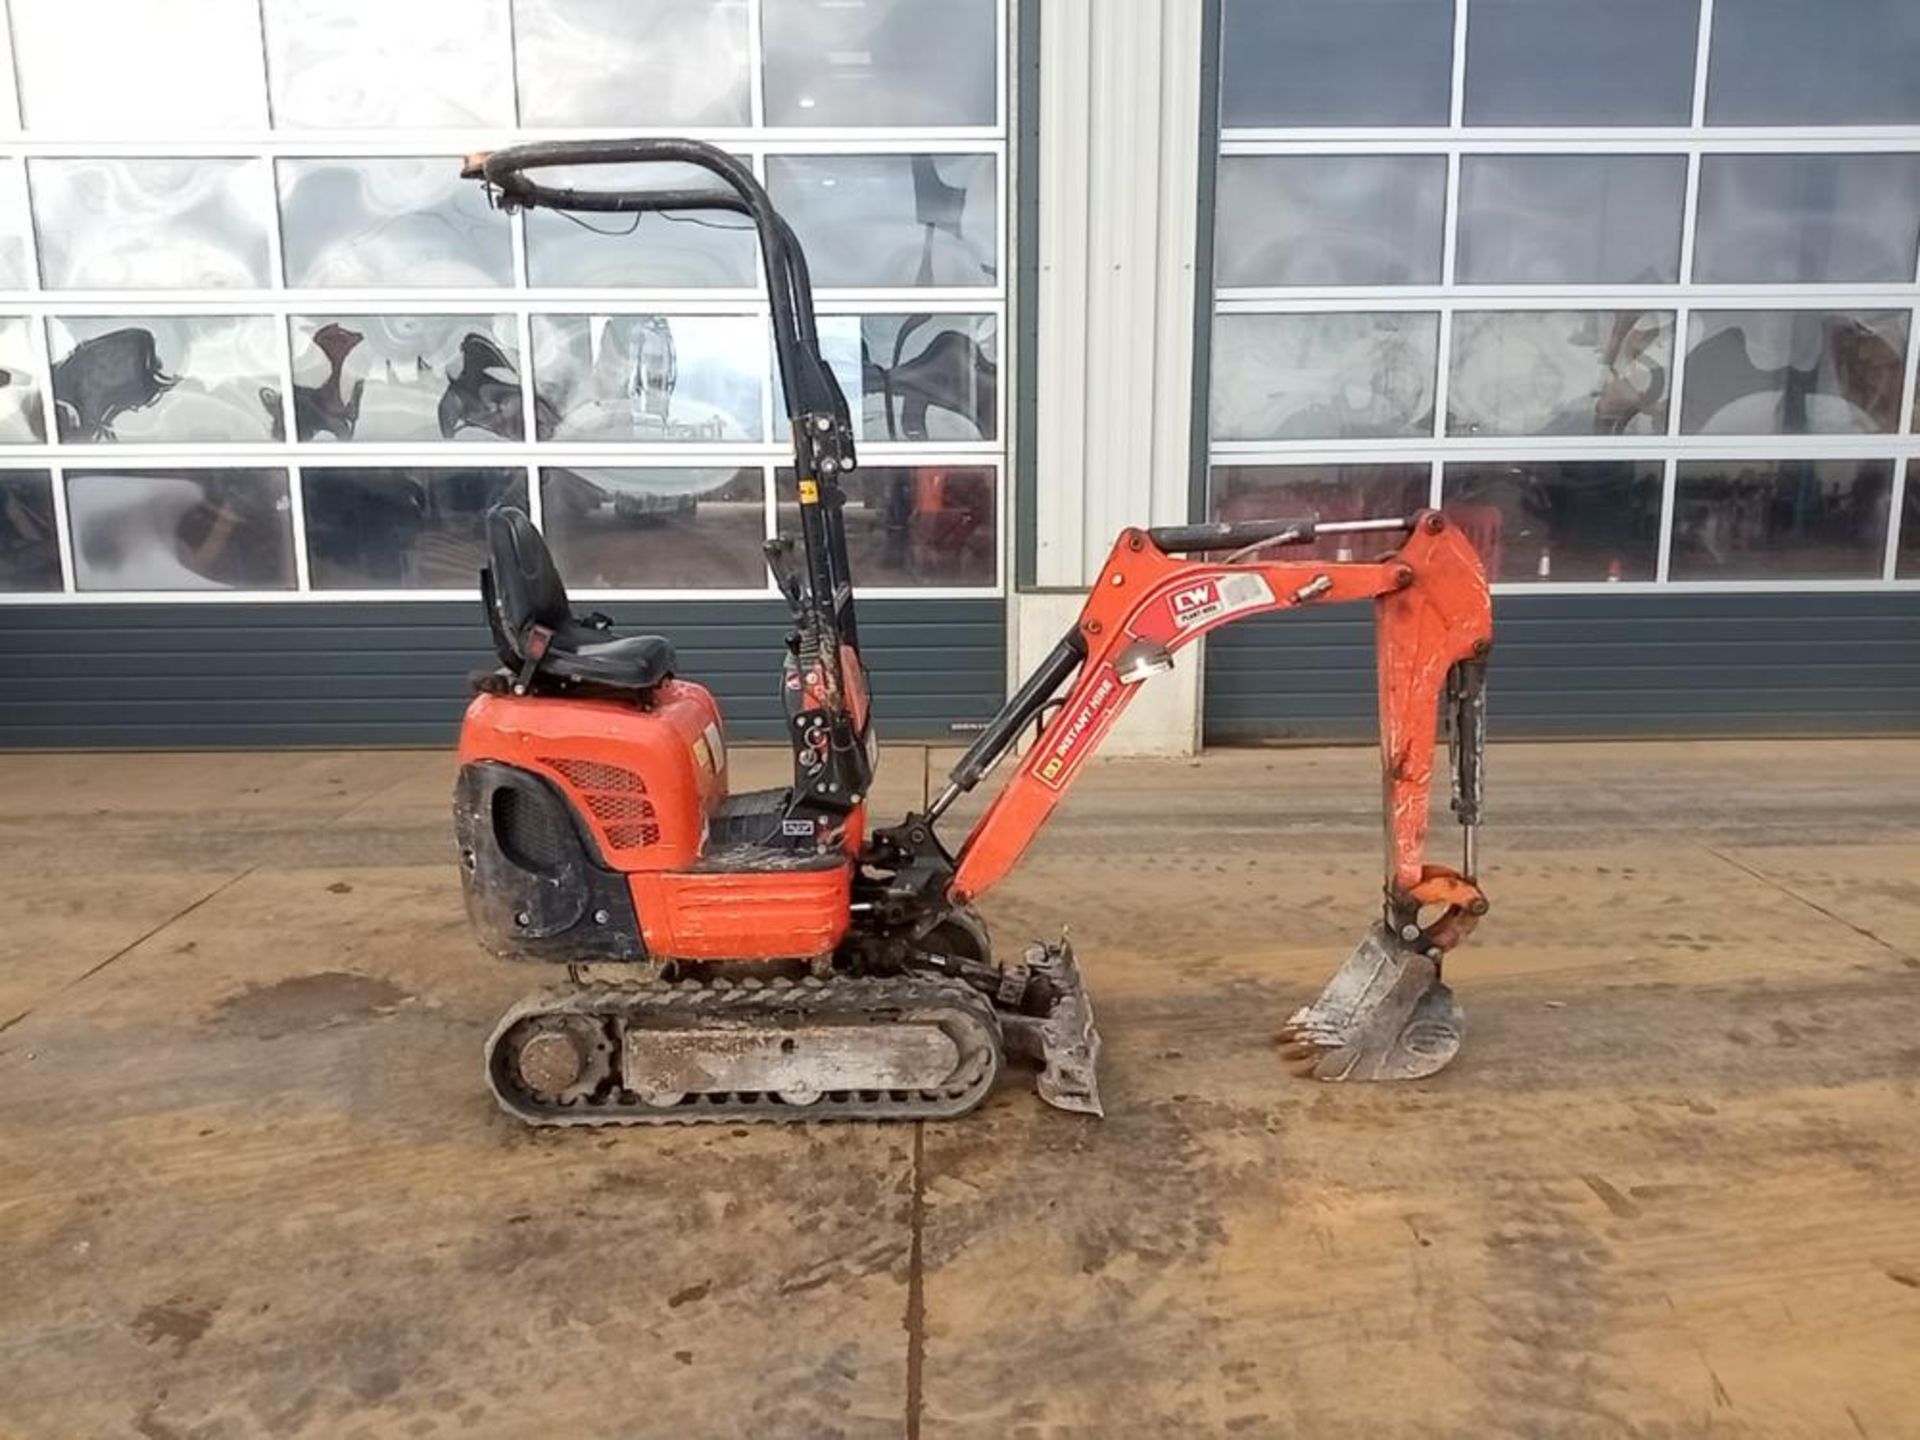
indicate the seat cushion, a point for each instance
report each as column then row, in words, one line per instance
column 631, row 662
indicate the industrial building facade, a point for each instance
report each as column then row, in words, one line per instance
column 1627, row 286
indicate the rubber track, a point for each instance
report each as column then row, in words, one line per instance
column 963, row 1012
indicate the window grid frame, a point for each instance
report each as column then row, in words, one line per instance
column 519, row 300
column 1696, row 140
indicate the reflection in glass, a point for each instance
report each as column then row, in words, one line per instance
column 690, row 248
column 1323, row 377
column 21, row 420
column 925, row 525
column 656, row 529
column 1907, row 562
column 106, row 67
column 631, row 62
column 406, row 377
column 1336, row 62
column 29, row 544
column 1570, row 219
column 1794, row 372
column 1780, row 520
column 1572, row 62
column 1322, row 493
column 150, row 224
column 883, row 62
column 166, row 378
column 891, row 219
column 1329, row 219
column 914, row 377
column 1560, row 372
column 404, row 221
column 402, row 529
column 1544, row 520
column 1784, row 219
column 373, row 64
column 180, row 529
column 13, row 226
column 648, row 377
column 1791, row 62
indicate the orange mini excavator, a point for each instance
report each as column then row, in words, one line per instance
column 768, row 955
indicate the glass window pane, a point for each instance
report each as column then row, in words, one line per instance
column 891, row 219
column 1336, row 62
column 1800, row 62
column 631, row 62
column 374, row 64
column 180, row 529
column 924, row 525
column 880, row 62
column 649, row 377
column 1574, row 62
column 711, row 249
column 109, row 68
column 1780, row 520
column 406, row 377
column 1570, row 219
column 656, row 529
column 150, row 224
column 13, row 226
column 405, row 221
column 1329, row 220
column 1794, row 372
column 929, row 377
column 21, row 419
column 914, row 377
column 1767, row 219
column 29, row 545
column 402, row 529
column 166, row 377
column 1545, row 520
column 1907, row 562
column 1324, row 493
column 1323, row 377
column 1560, row 372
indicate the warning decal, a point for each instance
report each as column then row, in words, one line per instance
column 1075, row 738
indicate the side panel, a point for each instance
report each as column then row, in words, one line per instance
column 214, row 675
column 762, row 915
column 535, row 889
column 1609, row 665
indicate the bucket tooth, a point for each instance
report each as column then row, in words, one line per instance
column 1385, row 1015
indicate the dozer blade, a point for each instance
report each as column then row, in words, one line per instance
column 1385, row 1015
column 1064, row 1040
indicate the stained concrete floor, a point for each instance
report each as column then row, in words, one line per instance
column 250, row 1183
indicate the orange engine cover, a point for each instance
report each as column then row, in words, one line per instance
column 641, row 780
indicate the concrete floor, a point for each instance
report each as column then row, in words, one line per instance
column 250, row 1183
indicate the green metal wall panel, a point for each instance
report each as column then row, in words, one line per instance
column 1801, row 663
column 395, row 673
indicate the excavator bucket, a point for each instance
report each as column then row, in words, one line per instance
column 1385, row 1015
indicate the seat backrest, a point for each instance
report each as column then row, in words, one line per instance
column 523, row 586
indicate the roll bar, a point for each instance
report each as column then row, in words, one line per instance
column 810, row 385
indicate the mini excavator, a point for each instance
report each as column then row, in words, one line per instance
column 767, row 955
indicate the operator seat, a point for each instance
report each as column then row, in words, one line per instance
column 538, row 637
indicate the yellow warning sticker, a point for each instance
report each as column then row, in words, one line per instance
column 809, row 492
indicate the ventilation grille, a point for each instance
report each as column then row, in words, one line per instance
column 616, row 798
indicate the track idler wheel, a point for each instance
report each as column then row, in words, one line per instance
column 561, row 1059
